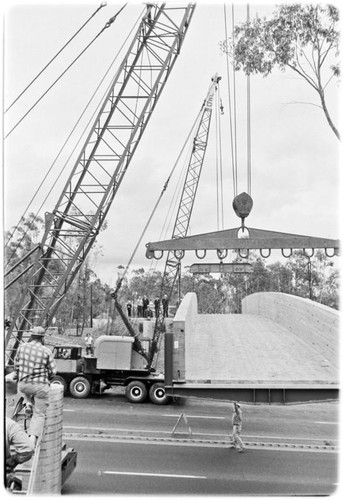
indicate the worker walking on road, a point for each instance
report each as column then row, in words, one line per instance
column 237, row 422
column 35, row 367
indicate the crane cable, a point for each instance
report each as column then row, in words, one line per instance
column 248, row 124
column 107, row 25
column 233, row 121
column 170, row 217
column 173, row 204
column 234, row 100
column 219, row 162
column 60, row 152
column 232, row 140
column 55, row 56
column 120, row 280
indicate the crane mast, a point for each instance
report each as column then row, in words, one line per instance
column 72, row 227
column 184, row 212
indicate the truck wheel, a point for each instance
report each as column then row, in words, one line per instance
column 136, row 392
column 58, row 380
column 80, row 387
column 157, row 394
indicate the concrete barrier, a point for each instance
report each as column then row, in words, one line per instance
column 315, row 324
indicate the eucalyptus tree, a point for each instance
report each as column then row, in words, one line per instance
column 303, row 37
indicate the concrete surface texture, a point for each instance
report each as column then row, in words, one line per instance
column 314, row 323
column 251, row 347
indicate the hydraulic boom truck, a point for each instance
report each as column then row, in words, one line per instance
column 124, row 360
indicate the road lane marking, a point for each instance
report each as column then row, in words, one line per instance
column 101, row 429
column 151, row 474
column 330, row 423
column 290, row 438
column 160, row 441
column 146, row 431
column 194, row 416
column 244, row 436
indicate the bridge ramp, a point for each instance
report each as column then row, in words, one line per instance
column 252, row 348
column 248, row 347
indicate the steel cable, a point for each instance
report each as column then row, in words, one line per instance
column 55, row 56
column 165, row 186
column 60, row 151
column 248, row 125
column 233, row 157
column 107, row 25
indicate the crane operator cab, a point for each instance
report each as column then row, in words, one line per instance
column 67, row 357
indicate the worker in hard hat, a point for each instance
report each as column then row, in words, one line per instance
column 35, row 367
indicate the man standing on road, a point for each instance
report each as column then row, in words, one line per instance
column 35, row 367
column 237, row 422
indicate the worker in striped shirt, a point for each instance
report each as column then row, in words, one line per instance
column 35, row 367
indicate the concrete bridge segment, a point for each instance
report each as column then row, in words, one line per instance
column 281, row 349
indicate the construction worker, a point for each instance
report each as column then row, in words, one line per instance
column 165, row 303
column 89, row 344
column 35, row 367
column 237, row 422
column 19, row 447
column 157, row 306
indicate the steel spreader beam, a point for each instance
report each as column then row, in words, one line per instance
column 242, row 241
column 72, row 227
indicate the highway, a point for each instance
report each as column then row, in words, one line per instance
column 132, row 449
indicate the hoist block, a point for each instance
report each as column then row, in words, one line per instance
column 242, row 205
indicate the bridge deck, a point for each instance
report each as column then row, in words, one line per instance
column 248, row 347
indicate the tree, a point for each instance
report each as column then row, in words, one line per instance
column 19, row 242
column 76, row 306
column 211, row 292
column 302, row 37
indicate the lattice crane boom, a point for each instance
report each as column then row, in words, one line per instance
column 187, row 199
column 72, row 227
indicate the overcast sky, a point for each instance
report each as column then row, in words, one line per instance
column 295, row 155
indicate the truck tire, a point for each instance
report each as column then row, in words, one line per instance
column 58, row 380
column 136, row 392
column 157, row 394
column 80, row 387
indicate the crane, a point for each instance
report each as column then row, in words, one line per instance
column 185, row 208
column 72, row 227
